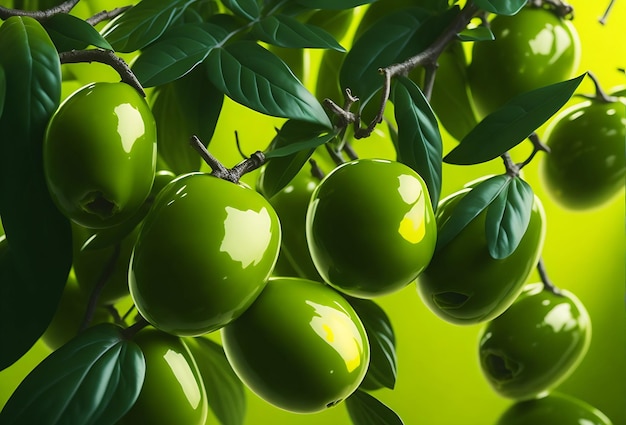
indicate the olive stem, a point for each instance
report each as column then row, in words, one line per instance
column 104, row 277
column 130, row 310
column 40, row 15
column 106, row 15
column 538, row 146
column 316, row 171
column 132, row 330
column 512, row 169
column 558, row 7
column 115, row 314
column 605, row 16
column 217, row 168
column 106, row 57
column 600, row 94
column 547, row 283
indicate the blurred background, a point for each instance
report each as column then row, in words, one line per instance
column 439, row 379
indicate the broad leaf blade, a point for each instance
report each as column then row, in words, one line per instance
column 142, row 24
column 257, row 79
column 333, row 4
column 419, row 141
column 38, row 251
column 225, row 391
column 93, row 379
column 176, row 53
column 280, row 170
column 285, row 31
column 188, row 106
column 501, row 7
column 469, row 207
column 248, row 9
column 69, row 32
column 383, row 367
column 508, row 217
column 514, row 122
column 365, row 409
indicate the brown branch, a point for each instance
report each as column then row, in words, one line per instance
column 106, row 15
column 40, row 15
column 107, row 57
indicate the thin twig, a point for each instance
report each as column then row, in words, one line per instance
column 106, row 15
column 547, row 283
column 106, row 57
column 538, row 146
column 605, row 16
column 40, row 15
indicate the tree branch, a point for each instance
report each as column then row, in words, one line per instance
column 40, row 15
column 106, row 15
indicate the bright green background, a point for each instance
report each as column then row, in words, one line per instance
column 439, row 380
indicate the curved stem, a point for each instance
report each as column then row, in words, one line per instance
column 600, row 94
column 132, row 330
column 106, row 57
column 547, row 283
column 40, row 15
column 538, row 146
column 106, row 15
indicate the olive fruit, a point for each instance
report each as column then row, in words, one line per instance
column 99, row 154
column 173, row 391
column 370, row 227
column 536, row 343
column 464, row 284
column 586, row 165
column 300, row 346
column 204, row 253
column 532, row 49
column 553, row 409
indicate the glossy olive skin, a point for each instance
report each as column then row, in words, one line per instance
column 532, row 49
column 370, row 227
column 100, row 154
column 173, row 391
column 586, row 165
column 463, row 284
column 535, row 344
column 204, row 253
column 291, row 205
column 300, row 346
column 553, row 409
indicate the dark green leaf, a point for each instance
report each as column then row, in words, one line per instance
column 304, row 137
column 335, row 22
column 470, row 206
column 38, row 255
column 225, row 391
column 383, row 367
column 142, row 24
column 93, row 379
column 501, row 7
column 333, row 4
column 176, row 53
column 3, row 89
column 514, row 122
column 69, row 32
column 481, row 33
column 248, row 9
column 188, row 106
column 257, row 79
column 508, row 217
column 365, row 409
column 285, row 31
column 419, row 141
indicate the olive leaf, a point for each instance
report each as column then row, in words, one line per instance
column 501, row 7
column 254, row 77
column 480, row 33
column 419, row 140
column 94, row 379
column 383, row 367
column 38, row 246
column 69, row 32
column 508, row 126
column 365, row 409
column 285, row 31
column 248, row 9
column 142, row 24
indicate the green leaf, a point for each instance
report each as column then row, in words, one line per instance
column 506, row 127
column 297, row 140
column 469, row 207
column 335, row 22
column 480, row 33
column 188, row 106
column 69, row 32
column 508, row 217
column 257, row 79
column 176, row 53
column 383, row 367
column 248, row 9
column 38, row 252
column 365, row 409
column 285, row 31
column 501, row 7
column 333, row 4
column 93, row 379
column 142, row 24
column 419, row 141
column 225, row 391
